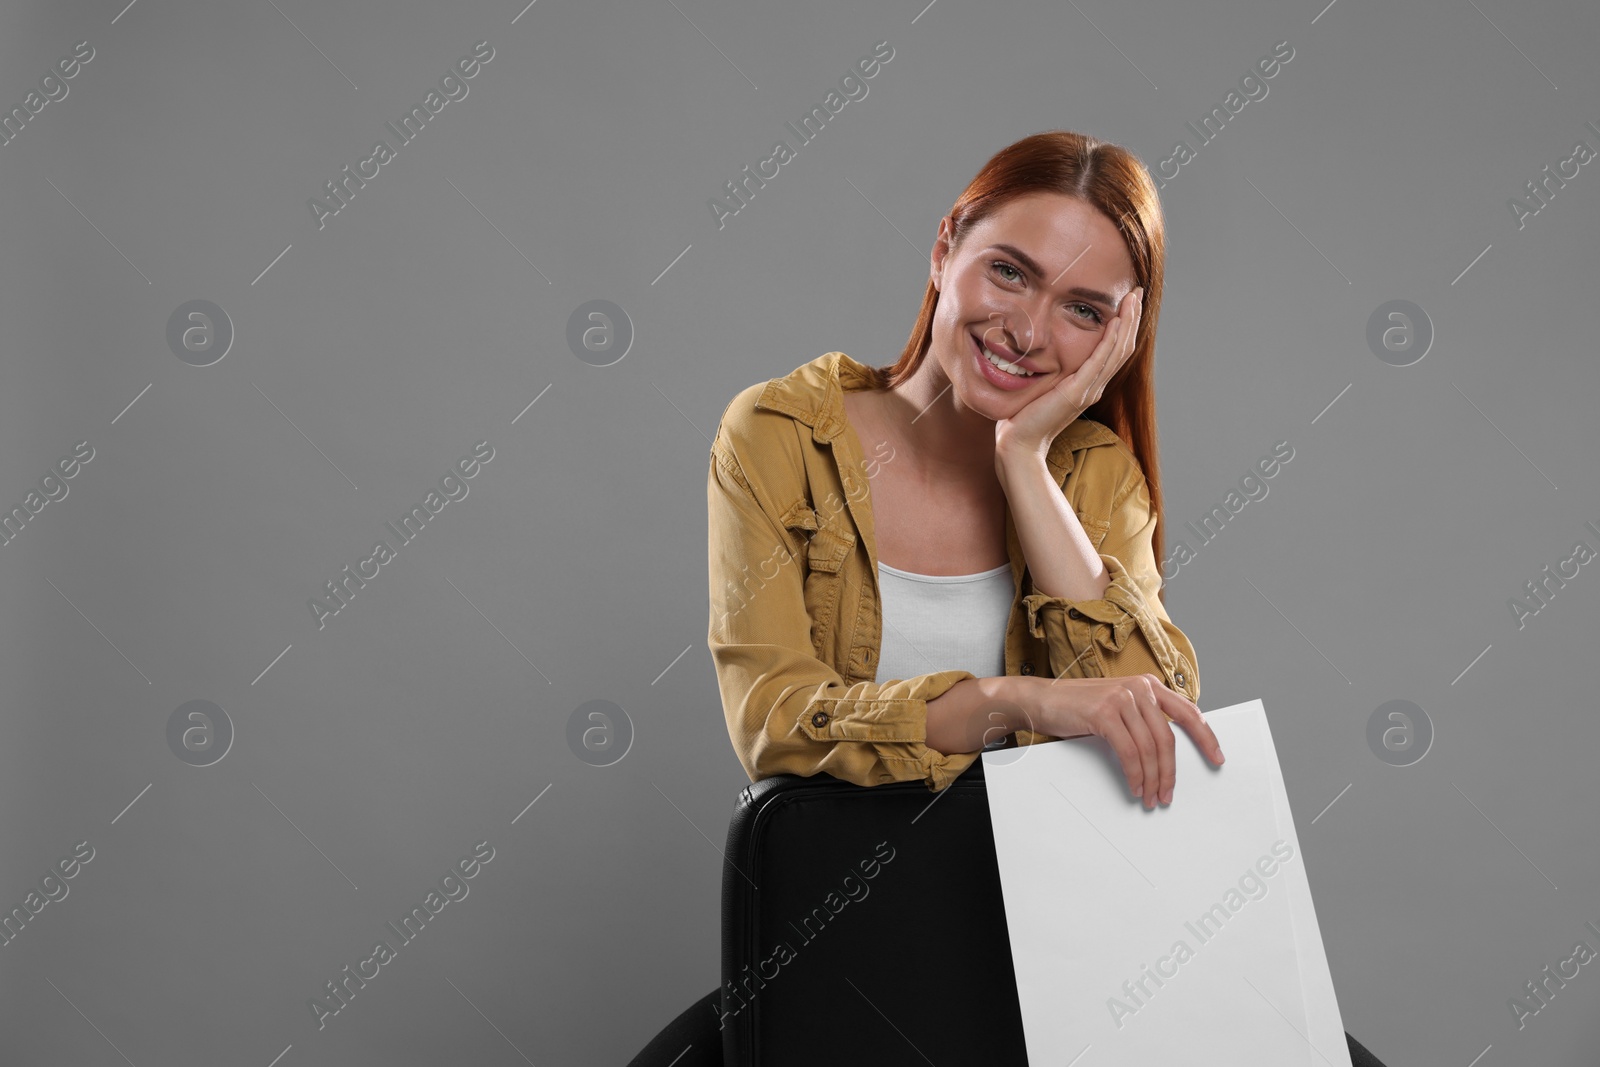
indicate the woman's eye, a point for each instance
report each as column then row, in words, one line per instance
column 1089, row 309
column 1003, row 265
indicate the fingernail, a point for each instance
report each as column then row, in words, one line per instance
column 1138, row 790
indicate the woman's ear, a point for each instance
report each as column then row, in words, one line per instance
column 941, row 249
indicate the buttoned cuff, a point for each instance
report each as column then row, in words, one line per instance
column 896, row 728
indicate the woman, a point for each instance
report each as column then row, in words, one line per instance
column 993, row 571
column 990, row 574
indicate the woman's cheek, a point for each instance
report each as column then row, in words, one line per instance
column 1080, row 355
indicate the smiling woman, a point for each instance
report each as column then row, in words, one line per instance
column 1025, row 495
column 995, row 583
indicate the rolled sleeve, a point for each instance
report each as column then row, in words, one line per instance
column 891, row 718
column 1127, row 630
column 787, row 711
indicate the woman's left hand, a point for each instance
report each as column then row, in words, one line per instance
column 1044, row 417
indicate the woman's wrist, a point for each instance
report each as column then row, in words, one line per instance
column 973, row 713
column 979, row 711
column 1017, row 700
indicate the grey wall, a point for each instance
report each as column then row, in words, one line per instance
column 371, row 353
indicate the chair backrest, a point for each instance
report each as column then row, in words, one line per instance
column 865, row 925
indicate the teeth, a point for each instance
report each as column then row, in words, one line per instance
column 1009, row 368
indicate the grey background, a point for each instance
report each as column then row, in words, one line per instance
column 430, row 313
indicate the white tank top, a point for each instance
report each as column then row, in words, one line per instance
column 941, row 622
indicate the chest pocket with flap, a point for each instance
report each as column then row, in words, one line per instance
column 827, row 549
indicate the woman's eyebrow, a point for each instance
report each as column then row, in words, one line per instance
column 1038, row 271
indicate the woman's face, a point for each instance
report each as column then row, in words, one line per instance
column 1045, row 300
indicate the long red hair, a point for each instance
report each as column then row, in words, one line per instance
column 1113, row 180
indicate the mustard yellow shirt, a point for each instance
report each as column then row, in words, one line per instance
column 796, row 618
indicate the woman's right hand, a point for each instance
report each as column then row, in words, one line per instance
column 1131, row 713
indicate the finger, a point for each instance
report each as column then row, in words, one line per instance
column 1134, row 316
column 1126, row 329
column 1116, row 734
column 1111, row 357
column 1127, row 335
column 1150, row 766
column 1162, row 736
column 1097, row 369
column 1181, row 710
column 1150, row 704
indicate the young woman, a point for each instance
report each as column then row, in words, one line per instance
column 991, row 572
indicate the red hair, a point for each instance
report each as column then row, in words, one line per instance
column 1113, row 180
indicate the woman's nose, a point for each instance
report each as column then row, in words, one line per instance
column 1018, row 330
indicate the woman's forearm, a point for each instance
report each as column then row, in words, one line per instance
column 1060, row 556
column 974, row 712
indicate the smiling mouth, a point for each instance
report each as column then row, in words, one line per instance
column 1005, row 362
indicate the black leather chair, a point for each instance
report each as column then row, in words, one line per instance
column 866, row 925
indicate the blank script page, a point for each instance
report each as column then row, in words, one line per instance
column 1181, row 933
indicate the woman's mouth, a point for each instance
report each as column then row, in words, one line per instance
column 996, row 375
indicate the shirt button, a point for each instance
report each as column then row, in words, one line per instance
column 1178, row 677
column 1027, row 668
column 1074, row 613
column 819, row 719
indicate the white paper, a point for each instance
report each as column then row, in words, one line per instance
column 1187, row 932
column 1325, row 1025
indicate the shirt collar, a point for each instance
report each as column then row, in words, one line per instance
column 813, row 393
